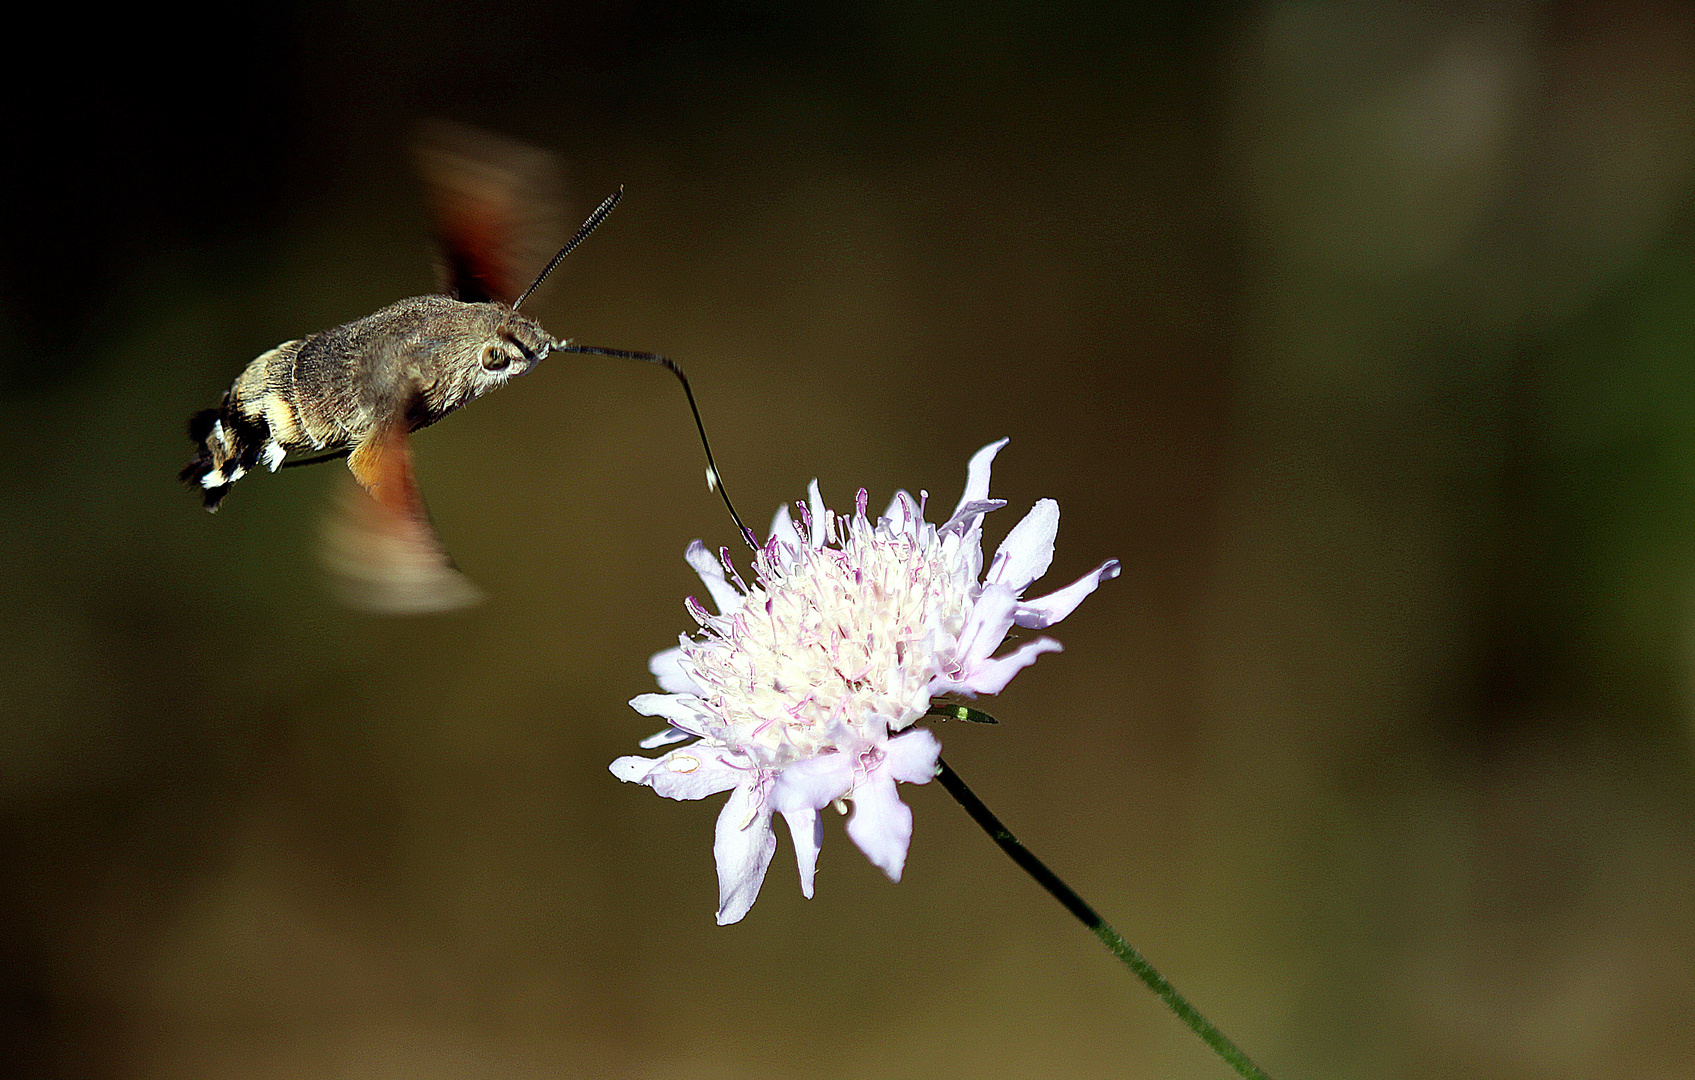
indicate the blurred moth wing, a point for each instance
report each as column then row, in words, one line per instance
column 377, row 541
column 497, row 205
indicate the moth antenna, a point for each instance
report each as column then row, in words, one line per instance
column 713, row 478
column 583, row 231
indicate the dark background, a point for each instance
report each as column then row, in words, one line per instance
column 1362, row 334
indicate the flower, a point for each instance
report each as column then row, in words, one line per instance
column 800, row 691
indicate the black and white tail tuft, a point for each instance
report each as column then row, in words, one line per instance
column 229, row 445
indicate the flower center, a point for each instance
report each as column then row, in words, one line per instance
column 833, row 646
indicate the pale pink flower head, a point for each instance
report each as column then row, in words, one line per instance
column 799, row 692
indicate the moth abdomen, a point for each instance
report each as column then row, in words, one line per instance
column 255, row 422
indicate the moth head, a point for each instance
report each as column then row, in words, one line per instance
column 511, row 345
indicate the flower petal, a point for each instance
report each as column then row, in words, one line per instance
column 902, row 516
column 912, row 757
column 667, row 667
column 819, row 530
column 985, row 628
column 725, row 597
column 969, row 516
column 881, row 825
column 991, row 676
column 807, row 832
column 664, row 738
column 783, row 528
column 1044, row 611
column 1027, row 551
column 689, row 772
column 633, row 768
column 977, row 476
column 742, row 848
column 682, row 710
column 812, row 783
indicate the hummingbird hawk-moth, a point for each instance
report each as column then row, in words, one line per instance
column 360, row 389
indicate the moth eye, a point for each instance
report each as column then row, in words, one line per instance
column 495, row 358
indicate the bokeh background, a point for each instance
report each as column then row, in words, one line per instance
column 1363, row 334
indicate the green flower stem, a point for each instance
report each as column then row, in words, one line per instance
column 1075, row 904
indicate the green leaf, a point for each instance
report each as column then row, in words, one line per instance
column 960, row 712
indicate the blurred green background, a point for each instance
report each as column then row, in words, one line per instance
column 1363, row 334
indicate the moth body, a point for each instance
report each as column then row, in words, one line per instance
column 405, row 366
